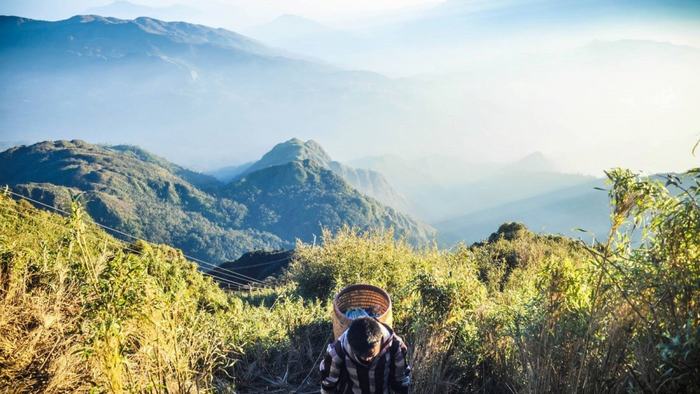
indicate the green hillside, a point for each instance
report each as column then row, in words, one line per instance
column 139, row 193
column 136, row 193
column 368, row 182
column 298, row 198
column 81, row 311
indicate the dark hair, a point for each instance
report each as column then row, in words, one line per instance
column 363, row 334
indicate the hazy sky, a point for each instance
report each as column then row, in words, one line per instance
column 226, row 13
column 592, row 84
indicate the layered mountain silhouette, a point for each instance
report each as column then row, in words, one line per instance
column 146, row 80
column 289, row 28
column 128, row 10
column 567, row 211
column 464, row 201
column 139, row 193
column 443, row 188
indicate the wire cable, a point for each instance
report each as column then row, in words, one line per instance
column 262, row 264
column 121, row 246
column 234, row 274
column 229, row 281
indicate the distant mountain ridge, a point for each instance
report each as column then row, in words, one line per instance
column 534, row 162
column 288, row 27
column 131, row 77
column 95, row 36
column 134, row 191
column 564, row 211
column 126, row 9
column 439, row 189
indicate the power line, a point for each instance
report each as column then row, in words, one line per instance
column 238, row 285
column 219, row 268
column 261, row 264
column 235, row 275
column 230, row 280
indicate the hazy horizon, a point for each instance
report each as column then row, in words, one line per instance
column 591, row 85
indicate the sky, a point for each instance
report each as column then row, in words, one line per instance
column 591, row 84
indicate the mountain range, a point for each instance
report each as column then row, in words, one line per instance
column 128, row 10
column 147, row 80
column 193, row 93
column 440, row 187
column 131, row 190
column 447, row 31
column 465, row 201
column 578, row 211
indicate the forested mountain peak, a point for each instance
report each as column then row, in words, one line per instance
column 368, row 182
column 134, row 191
column 292, row 150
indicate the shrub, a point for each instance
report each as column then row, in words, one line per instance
column 522, row 312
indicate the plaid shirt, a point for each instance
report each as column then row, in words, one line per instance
column 389, row 371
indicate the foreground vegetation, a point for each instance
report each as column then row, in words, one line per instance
column 521, row 312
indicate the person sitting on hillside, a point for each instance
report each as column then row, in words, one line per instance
column 367, row 358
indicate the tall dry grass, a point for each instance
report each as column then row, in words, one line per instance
column 79, row 310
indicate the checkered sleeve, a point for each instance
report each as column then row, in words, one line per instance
column 330, row 370
column 401, row 377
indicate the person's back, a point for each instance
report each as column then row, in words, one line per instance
column 367, row 358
